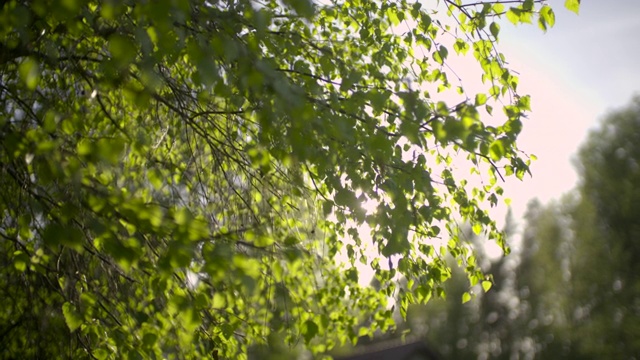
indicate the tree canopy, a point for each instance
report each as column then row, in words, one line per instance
column 179, row 178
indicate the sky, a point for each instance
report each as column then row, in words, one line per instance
column 582, row 68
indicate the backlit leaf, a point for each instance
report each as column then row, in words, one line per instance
column 573, row 5
column 30, row 73
column 71, row 316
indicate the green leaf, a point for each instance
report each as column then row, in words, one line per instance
column 489, row 109
column 397, row 243
column 122, row 50
column 461, row 46
column 309, row 330
column 494, row 28
column 443, row 52
column 110, row 149
column 547, row 18
column 393, row 16
column 88, row 299
column 264, row 240
column 496, row 150
column 437, row 57
column 67, row 235
column 477, row 228
column 30, row 73
column 71, row 316
column 219, row 301
column 573, row 5
column 101, row 354
column 149, row 339
column 352, row 78
column 190, row 319
column 20, row 260
column 303, row 8
column 486, row 285
column 363, row 331
column 466, row 297
column 513, row 16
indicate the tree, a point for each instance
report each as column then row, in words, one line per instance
column 605, row 296
column 481, row 326
column 179, row 177
column 543, row 282
column 576, row 281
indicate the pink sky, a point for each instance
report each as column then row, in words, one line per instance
column 583, row 67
